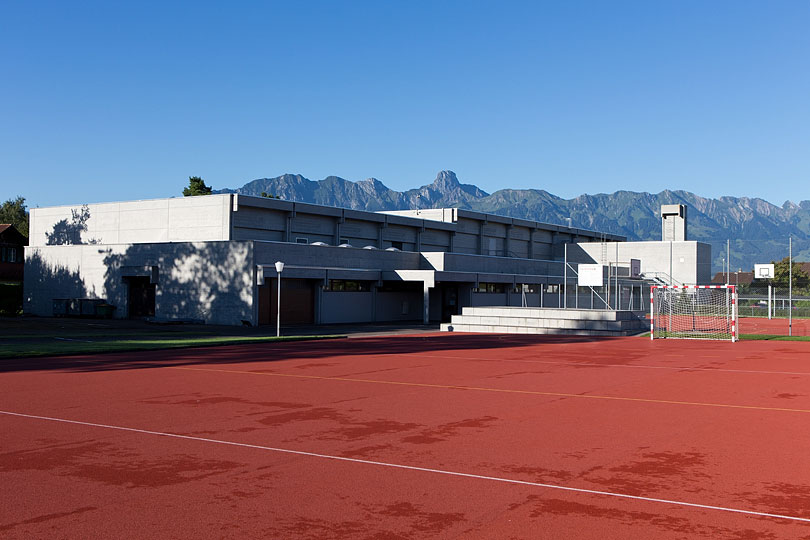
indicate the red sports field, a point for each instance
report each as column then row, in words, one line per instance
column 779, row 327
column 430, row 436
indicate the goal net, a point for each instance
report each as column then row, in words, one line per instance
column 693, row 312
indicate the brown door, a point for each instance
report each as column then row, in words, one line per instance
column 141, row 297
column 297, row 301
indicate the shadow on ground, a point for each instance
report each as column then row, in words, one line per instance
column 366, row 340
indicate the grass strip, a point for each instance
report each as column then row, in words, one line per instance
column 773, row 337
column 64, row 348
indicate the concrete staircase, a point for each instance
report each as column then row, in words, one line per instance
column 533, row 320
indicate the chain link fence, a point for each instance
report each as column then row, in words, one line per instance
column 767, row 306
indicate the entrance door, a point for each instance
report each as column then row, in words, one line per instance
column 141, row 297
column 449, row 301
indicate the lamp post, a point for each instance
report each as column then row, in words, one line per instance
column 279, row 268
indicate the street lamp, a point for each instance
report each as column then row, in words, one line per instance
column 279, row 268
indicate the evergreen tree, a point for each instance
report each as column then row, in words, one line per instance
column 13, row 211
column 196, row 186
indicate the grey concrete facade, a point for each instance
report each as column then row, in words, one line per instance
column 686, row 262
column 211, row 258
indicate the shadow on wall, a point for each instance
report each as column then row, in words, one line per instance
column 208, row 281
column 45, row 281
column 70, row 232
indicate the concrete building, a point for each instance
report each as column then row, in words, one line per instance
column 211, row 259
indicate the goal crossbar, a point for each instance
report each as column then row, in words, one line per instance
column 693, row 312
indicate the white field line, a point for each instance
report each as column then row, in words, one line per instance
column 414, row 468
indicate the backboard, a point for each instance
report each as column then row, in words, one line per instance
column 763, row 271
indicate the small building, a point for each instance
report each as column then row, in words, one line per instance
column 12, row 244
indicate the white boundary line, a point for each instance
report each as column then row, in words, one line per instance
column 414, row 468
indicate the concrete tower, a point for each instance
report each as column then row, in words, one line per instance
column 673, row 222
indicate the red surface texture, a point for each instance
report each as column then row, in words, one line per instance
column 677, row 423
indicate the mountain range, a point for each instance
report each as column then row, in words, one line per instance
column 758, row 231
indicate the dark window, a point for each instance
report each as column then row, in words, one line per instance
column 491, row 288
column 301, row 240
column 397, row 245
column 343, row 285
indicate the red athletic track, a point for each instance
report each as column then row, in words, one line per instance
column 709, row 423
column 761, row 325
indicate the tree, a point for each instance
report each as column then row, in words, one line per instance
column 13, row 211
column 269, row 195
column 781, row 273
column 196, row 186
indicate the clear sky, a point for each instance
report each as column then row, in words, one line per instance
column 125, row 100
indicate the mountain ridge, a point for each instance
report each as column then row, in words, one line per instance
column 758, row 230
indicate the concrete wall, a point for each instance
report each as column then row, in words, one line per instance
column 181, row 219
column 690, row 261
column 212, row 281
column 267, row 253
column 458, row 262
column 347, row 307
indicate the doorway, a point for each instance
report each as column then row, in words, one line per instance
column 140, row 297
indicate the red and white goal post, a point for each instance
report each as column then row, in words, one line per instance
column 693, row 312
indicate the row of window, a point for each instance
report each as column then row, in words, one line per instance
column 501, row 288
column 305, row 240
column 343, row 285
column 10, row 254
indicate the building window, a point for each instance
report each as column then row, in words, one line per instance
column 12, row 255
column 526, row 287
column 343, row 285
column 301, row 240
column 552, row 288
column 491, row 287
column 397, row 245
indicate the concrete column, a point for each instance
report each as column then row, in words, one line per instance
column 419, row 238
column 380, row 228
column 452, row 241
column 481, row 248
column 506, row 246
column 426, row 303
column 288, row 227
column 530, row 253
column 338, row 222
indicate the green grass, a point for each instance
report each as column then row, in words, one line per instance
column 773, row 337
column 62, row 348
column 758, row 337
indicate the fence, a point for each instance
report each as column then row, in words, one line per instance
column 778, row 311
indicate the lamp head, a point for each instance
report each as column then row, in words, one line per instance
column 279, row 266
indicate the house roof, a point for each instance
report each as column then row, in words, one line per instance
column 736, row 278
column 10, row 234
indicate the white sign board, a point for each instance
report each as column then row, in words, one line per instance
column 635, row 268
column 590, row 275
column 763, row 271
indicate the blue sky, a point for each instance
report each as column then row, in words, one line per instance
column 113, row 101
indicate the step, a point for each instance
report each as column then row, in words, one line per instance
column 499, row 329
